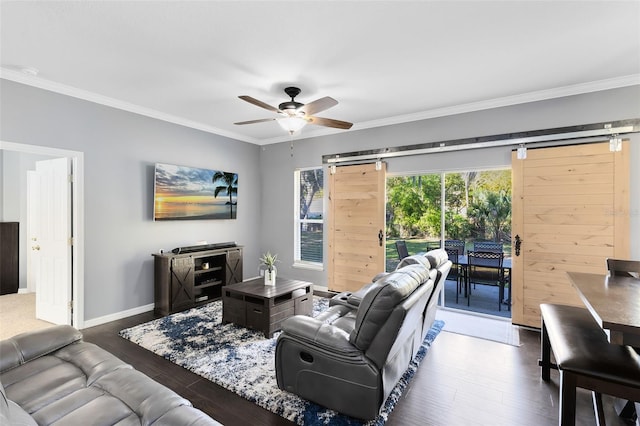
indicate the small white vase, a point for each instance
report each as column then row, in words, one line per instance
column 270, row 276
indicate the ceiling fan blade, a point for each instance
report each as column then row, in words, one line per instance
column 261, row 120
column 256, row 102
column 318, row 105
column 330, row 122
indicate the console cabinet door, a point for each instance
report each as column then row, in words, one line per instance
column 234, row 267
column 9, row 237
column 182, row 283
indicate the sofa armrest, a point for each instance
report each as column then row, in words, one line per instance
column 310, row 331
column 28, row 346
column 11, row 413
column 353, row 299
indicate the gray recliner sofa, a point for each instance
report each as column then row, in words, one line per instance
column 52, row 376
column 437, row 259
column 350, row 358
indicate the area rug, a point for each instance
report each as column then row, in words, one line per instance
column 242, row 361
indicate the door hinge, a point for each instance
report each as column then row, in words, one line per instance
column 71, row 179
column 72, row 241
column 71, row 305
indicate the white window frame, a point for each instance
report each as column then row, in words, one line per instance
column 297, row 261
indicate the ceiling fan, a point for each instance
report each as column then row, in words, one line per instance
column 295, row 115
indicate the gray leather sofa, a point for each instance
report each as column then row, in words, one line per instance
column 52, row 376
column 436, row 259
column 351, row 356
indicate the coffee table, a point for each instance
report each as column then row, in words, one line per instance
column 254, row 305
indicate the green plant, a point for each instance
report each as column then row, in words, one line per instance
column 269, row 260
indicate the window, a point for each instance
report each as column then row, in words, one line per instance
column 309, row 219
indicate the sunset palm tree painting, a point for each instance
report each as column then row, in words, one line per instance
column 189, row 193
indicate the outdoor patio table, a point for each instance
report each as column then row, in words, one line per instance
column 506, row 269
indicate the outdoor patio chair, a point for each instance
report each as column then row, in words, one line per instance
column 457, row 271
column 401, row 247
column 433, row 245
column 455, row 244
column 488, row 246
column 485, row 267
column 629, row 268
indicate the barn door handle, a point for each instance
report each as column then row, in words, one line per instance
column 380, row 237
column 518, row 243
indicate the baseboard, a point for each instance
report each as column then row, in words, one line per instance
column 23, row 290
column 118, row 315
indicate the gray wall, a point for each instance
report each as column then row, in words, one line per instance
column 278, row 166
column 120, row 150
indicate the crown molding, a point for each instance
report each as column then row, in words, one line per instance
column 86, row 95
column 541, row 95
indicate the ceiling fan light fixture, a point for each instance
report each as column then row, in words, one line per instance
column 294, row 115
column 292, row 124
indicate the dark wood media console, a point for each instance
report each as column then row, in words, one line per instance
column 185, row 280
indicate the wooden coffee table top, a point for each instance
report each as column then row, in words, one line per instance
column 256, row 287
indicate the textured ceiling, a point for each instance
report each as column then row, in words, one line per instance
column 385, row 62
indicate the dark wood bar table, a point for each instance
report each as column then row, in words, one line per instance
column 614, row 302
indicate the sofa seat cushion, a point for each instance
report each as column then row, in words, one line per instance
column 84, row 384
column 50, row 377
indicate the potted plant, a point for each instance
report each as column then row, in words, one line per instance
column 268, row 264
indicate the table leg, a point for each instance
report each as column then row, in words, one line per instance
column 616, row 337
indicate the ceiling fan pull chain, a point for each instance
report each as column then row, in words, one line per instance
column 291, row 146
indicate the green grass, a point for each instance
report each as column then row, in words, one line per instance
column 418, row 245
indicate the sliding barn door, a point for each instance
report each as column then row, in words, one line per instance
column 571, row 211
column 356, row 225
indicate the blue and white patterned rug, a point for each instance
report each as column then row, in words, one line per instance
column 242, row 361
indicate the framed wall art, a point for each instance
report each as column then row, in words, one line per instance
column 190, row 193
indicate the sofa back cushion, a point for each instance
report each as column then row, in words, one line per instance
column 415, row 259
column 437, row 257
column 381, row 300
column 28, row 346
column 439, row 260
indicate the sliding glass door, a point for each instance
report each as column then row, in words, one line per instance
column 468, row 210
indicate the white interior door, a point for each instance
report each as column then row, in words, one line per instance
column 49, row 239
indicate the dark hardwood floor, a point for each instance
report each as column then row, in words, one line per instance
column 462, row 381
